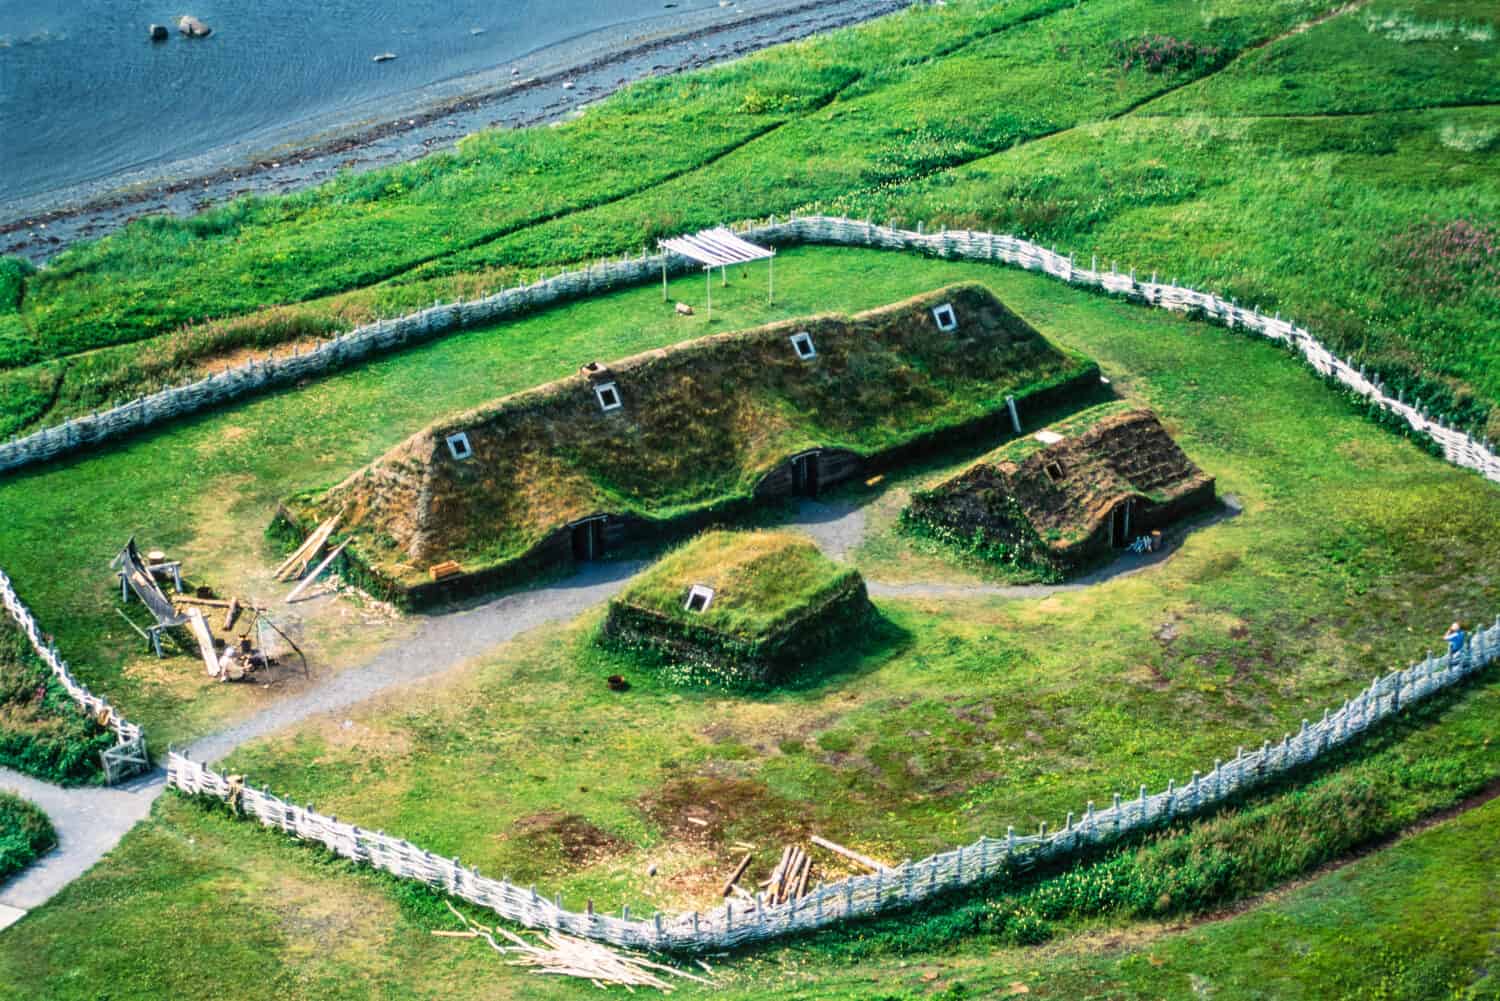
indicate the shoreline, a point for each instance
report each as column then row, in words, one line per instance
column 536, row 97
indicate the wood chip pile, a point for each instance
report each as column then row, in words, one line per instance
column 556, row 954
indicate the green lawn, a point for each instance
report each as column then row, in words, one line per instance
column 197, row 904
column 956, row 717
column 1344, row 173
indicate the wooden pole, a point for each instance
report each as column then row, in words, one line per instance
column 853, row 856
column 306, row 583
column 771, row 279
column 739, row 870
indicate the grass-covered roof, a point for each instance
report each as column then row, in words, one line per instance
column 700, row 424
column 762, row 581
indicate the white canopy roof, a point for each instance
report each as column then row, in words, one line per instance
column 716, row 248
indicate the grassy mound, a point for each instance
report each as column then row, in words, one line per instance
column 42, row 731
column 776, row 601
column 25, row 834
column 700, row 427
column 1061, row 498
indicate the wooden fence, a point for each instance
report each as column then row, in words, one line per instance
column 735, row 924
column 128, row 756
column 386, row 335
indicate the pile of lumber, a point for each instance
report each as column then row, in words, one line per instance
column 788, row 881
column 557, row 954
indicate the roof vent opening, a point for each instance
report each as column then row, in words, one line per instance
column 700, row 596
column 802, row 343
column 609, row 396
column 1054, row 471
column 945, row 318
column 459, row 447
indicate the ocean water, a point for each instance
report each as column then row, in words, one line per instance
column 88, row 101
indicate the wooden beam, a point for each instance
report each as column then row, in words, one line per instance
column 734, row 877
column 318, row 572
column 851, row 855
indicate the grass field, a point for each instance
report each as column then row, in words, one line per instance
column 196, row 903
column 1362, row 200
column 1338, row 168
column 1354, row 550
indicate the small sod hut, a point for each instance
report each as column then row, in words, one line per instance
column 738, row 608
column 1069, row 494
column 676, row 438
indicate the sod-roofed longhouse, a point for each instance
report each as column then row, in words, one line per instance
column 684, row 434
column 738, row 607
column 1070, row 493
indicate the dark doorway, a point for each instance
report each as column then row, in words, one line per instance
column 588, row 540
column 1119, row 526
column 805, row 474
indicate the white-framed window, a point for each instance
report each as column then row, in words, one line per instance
column 700, row 596
column 802, row 343
column 459, row 447
column 945, row 318
column 609, row 396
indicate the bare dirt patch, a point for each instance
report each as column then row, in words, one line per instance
column 714, row 810
column 578, row 840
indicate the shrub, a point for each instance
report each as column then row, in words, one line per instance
column 1165, row 54
column 1445, row 261
column 42, row 731
column 13, row 274
column 25, row 834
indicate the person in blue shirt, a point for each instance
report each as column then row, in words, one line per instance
column 1456, row 638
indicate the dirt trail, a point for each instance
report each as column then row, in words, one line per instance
column 91, row 821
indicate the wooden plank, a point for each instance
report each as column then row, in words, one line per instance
column 183, row 599
column 147, row 637
column 308, row 551
column 297, row 553
column 205, row 641
column 232, row 614
column 318, row 572
column 790, row 860
column 851, row 855
column 802, row 879
column 734, row 877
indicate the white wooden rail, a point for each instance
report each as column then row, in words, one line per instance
column 734, row 924
column 442, row 318
column 129, row 754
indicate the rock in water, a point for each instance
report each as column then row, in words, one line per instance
column 192, row 27
column 158, row 32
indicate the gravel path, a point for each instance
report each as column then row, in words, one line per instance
column 88, row 821
column 91, row 821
